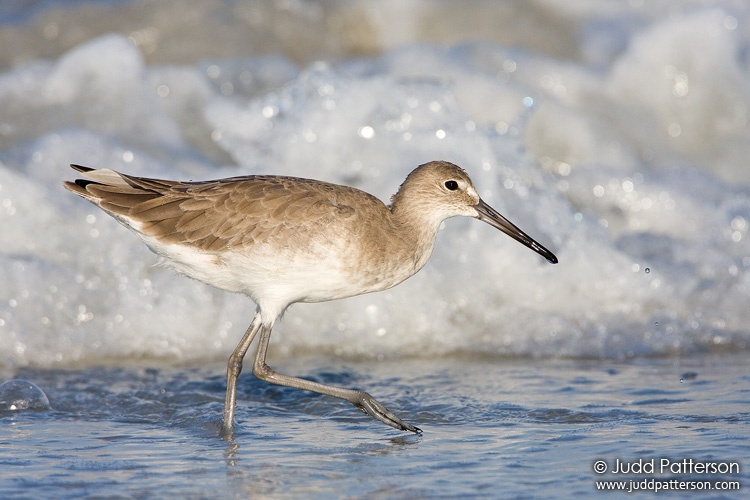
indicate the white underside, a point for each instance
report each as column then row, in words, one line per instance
column 271, row 278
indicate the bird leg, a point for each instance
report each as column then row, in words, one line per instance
column 362, row 400
column 234, row 368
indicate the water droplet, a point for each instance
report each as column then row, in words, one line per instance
column 647, row 270
column 17, row 394
column 366, row 132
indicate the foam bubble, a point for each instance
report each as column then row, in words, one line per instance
column 22, row 395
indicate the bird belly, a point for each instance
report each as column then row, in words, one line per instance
column 275, row 278
column 271, row 275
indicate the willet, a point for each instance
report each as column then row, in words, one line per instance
column 282, row 240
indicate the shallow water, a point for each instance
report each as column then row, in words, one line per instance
column 492, row 428
column 615, row 133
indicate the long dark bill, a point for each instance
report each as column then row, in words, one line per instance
column 494, row 219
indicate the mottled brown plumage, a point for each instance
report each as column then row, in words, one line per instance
column 215, row 215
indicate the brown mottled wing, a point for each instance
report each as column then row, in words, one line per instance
column 214, row 215
column 239, row 211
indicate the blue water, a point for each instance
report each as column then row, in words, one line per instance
column 505, row 428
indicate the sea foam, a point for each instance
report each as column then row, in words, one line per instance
column 629, row 162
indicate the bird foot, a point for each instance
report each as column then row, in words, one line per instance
column 369, row 405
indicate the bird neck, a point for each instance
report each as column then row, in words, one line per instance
column 416, row 227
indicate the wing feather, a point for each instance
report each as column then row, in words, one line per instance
column 213, row 215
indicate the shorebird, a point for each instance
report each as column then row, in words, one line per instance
column 282, row 240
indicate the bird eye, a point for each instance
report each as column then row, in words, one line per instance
column 451, row 185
